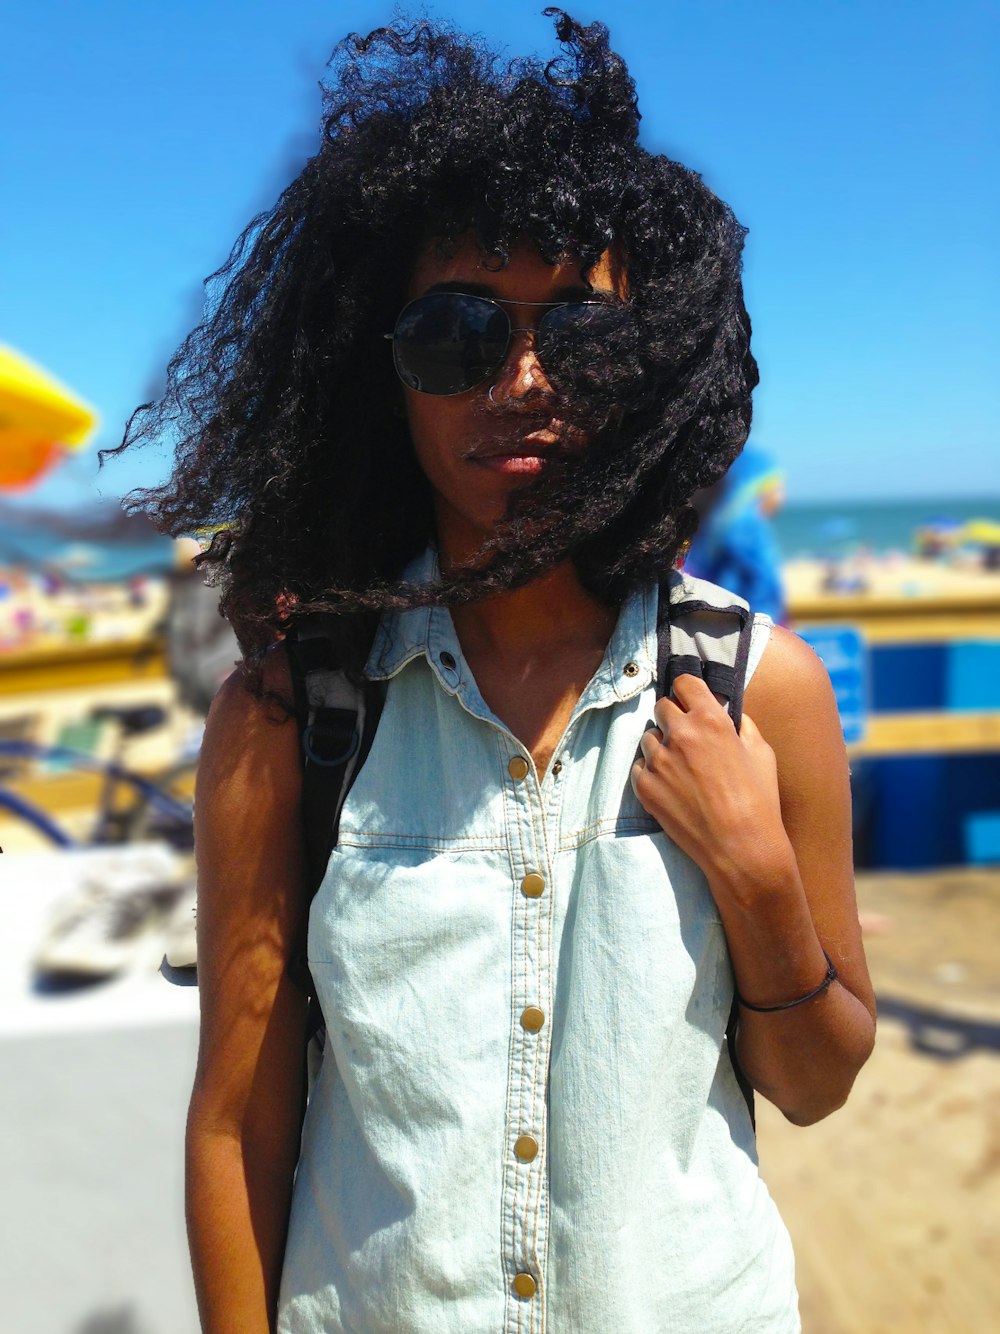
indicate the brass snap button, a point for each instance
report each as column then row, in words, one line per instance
column 525, row 1148
column 448, row 660
column 524, row 1285
column 518, row 768
column 631, row 669
column 532, row 1019
column 533, row 886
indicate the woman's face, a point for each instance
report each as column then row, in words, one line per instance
column 476, row 446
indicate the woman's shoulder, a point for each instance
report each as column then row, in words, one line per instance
column 786, row 659
column 251, row 730
column 789, row 696
column 268, row 692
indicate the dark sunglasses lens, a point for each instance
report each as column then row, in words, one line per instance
column 446, row 343
column 575, row 337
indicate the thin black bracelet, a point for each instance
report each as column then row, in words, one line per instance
column 831, row 976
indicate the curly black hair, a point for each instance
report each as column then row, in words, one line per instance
column 283, row 404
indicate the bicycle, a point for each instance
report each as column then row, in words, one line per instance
column 158, row 808
column 146, row 893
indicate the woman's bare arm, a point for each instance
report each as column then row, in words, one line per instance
column 767, row 817
column 246, row 1107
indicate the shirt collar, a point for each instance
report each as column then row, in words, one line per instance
column 629, row 663
column 628, row 667
column 405, row 635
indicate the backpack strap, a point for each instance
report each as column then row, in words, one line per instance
column 704, row 631
column 337, row 718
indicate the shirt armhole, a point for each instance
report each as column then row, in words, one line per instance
column 759, row 636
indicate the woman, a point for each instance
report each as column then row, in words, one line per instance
column 458, row 389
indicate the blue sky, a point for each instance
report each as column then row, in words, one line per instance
column 856, row 140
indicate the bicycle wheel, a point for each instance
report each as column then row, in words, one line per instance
column 168, row 816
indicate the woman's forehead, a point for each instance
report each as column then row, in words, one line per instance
column 466, row 261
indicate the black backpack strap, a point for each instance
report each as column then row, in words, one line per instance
column 704, row 631
column 337, row 718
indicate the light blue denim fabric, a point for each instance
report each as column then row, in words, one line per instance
column 642, row 1211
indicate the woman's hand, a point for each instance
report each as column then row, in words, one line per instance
column 766, row 814
column 713, row 790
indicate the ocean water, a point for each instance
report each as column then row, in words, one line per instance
column 840, row 527
column 833, row 529
column 89, row 561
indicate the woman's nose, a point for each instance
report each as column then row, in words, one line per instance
column 521, row 372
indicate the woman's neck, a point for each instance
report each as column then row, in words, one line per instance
column 552, row 612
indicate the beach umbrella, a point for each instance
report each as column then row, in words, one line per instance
column 934, row 535
column 942, row 525
column 981, row 532
column 41, row 421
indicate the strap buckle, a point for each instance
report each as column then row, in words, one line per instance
column 328, row 732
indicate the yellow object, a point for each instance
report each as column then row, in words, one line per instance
column 40, row 420
column 984, row 531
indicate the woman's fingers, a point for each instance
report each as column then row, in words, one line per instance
column 653, row 736
column 749, row 730
column 691, row 692
column 691, row 699
column 665, row 712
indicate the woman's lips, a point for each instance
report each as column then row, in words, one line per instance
column 524, row 461
column 528, row 453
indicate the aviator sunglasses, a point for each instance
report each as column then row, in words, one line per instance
column 448, row 342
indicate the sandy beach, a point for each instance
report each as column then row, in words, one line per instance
column 893, row 1202
column 892, row 576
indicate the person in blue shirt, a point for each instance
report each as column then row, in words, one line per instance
column 735, row 545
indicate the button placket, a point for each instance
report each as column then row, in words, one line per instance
column 525, row 1187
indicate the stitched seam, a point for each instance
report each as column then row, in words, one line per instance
column 544, row 1184
column 506, row 1212
column 544, row 1047
column 539, row 1102
column 610, row 828
column 462, row 842
column 385, row 671
column 520, row 1193
column 525, row 1090
column 530, row 1079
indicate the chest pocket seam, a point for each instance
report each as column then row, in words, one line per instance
column 611, row 827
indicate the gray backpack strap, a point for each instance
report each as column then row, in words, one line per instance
column 703, row 631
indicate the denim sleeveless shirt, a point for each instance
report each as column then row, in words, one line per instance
column 526, row 1119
